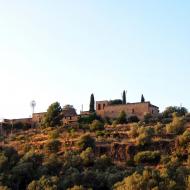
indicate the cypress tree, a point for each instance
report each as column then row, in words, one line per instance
column 124, row 97
column 142, row 98
column 92, row 102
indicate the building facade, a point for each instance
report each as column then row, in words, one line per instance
column 139, row 109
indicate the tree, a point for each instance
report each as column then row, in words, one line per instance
column 122, row 118
column 142, row 98
column 92, row 102
column 53, row 115
column 124, row 97
column 180, row 111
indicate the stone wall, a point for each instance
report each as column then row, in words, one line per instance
column 37, row 117
column 131, row 109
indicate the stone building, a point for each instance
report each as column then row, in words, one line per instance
column 139, row 109
column 70, row 116
column 37, row 117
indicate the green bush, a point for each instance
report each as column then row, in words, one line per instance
column 53, row 134
column 87, row 157
column 176, row 126
column 122, row 119
column 151, row 157
column 86, row 141
column 184, row 138
column 44, row 183
column 53, row 146
column 96, row 125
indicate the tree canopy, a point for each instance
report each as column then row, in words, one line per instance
column 92, row 103
column 53, row 115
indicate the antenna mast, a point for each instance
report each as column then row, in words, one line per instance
column 33, row 105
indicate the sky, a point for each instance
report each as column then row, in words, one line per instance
column 65, row 50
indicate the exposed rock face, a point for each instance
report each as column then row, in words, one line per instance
column 117, row 151
column 123, row 152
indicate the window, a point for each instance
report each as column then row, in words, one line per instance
column 99, row 106
column 104, row 106
column 133, row 111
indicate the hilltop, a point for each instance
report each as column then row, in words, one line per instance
column 98, row 153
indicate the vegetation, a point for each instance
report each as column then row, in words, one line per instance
column 115, row 102
column 53, row 115
column 92, row 103
column 142, row 98
column 122, row 118
column 124, row 97
column 86, row 141
column 151, row 154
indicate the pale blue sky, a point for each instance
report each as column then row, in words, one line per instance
column 65, row 50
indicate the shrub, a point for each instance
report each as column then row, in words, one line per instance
column 86, row 141
column 53, row 146
column 147, row 157
column 32, row 157
column 133, row 131
column 133, row 119
column 96, row 125
column 176, row 126
column 53, row 134
column 100, row 133
column 122, row 119
column 169, row 111
column 145, row 137
column 3, row 162
column 77, row 188
column 184, row 138
column 51, row 165
column 103, row 162
column 44, row 183
column 87, row 157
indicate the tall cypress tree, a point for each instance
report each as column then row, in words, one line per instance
column 124, row 97
column 92, row 103
column 142, row 98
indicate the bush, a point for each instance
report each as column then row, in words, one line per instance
column 100, row 133
column 133, row 119
column 103, row 162
column 169, row 111
column 44, row 183
column 133, row 131
column 87, row 157
column 176, row 126
column 53, row 146
column 122, row 119
column 3, row 162
column 51, row 165
column 147, row 157
column 96, row 125
column 86, row 141
column 77, row 188
column 184, row 138
column 53, row 134
column 145, row 137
